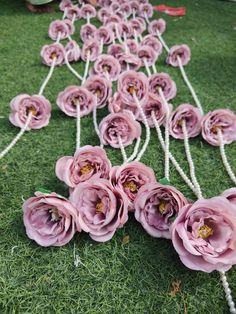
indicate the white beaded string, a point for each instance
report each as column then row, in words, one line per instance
column 101, row 46
column 123, row 152
column 227, row 291
column 71, row 68
column 78, row 130
column 147, row 67
column 18, row 136
column 190, row 160
column 224, row 157
column 162, row 41
column 118, row 34
column 135, row 152
column 95, row 124
column 154, row 68
column 86, row 68
column 88, row 18
column 50, row 73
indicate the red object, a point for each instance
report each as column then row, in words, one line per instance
column 181, row 11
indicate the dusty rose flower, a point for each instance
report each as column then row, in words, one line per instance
column 132, row 83
column 115, row 50
column 125, row 29
column 101, row 88
column 103, row 14
column 70, row 26
column 73, row 12
column 117, row 105
column 130, row 178
column 88, row 32
column 49, row 52
column 146, row 9
column 102, row 209
column 157, row 27
column 155, row 206
column 230, row 194
column 181, row 51
column 90, row 48
column 88, row 11
column 125, row 9
column 204, row 235
column 143, row 1
column 50, row 219
column 137, row 26
column 130, row 61
column 119, row 125
column 107, row 66
column 72, row 51
column 163, row 81
column 112, row 20
column 88, row 161
column 64, row 4
column 152, row 42
column 115, row 6
column 132, row 45
column 222, row 119
column 74, row 96
column 22, row 105
column 57, row 27
column 192, row 117
column 105, row 34
column 147, row 53
column 134, row 6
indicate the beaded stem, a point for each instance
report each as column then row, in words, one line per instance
column 135, row 152
column 101, row 46
column 227, row 291
column 123, row 152
column 50, row 73
column 147, row 67
column 154, row 68
column 118, row 34
column 95, row 124
column 86, row 68
column 71, row 68
column 78, row 131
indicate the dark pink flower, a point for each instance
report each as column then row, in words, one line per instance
column 90, row 48
column 102, row 209
column 88, row 161
column 58, row 27
column 88, row 11
column 146, row 9
column 152, row 42
column 88, row 32
column 130, row 178
column 117, row 126
column 107, row 66
column 50, row 219
column 155, row 206
column 117, row 105
column 147, row 53
column 222, row 119
column 64, row 4
column 74, row 96
column 130, row 61
column 157, row 27
column 115, row 50
column 73, row 13
column 72, row 51
column 163, row 81
column 51, row 52
column 204, row 234
column 192, row 117
column 181, row 51
column 105, row 34
column 23, row 105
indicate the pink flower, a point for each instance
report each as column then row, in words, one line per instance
column 74, row 96
column 125, row 29
column 137, row 26
column 204, row 234
column 73, row 51
column 147, row 53
column 134, row 6
column 119, row 125
column 51, row 52
column 181, row 51
column 88, row 161
column 58, row 27
column 125, row 9
column 230, row 194
column 152, row 42
column 107, row 66
column 132, row 45
column 146, row 9
column 115, row 50
column 88, row 11
column 222, row 119
column 70, row 25
column 102, row 209
column 157, row 27
column 88, row 32
column 117, row 105
column 130, row 178
column 192, row 117
column 38, row 106
column 112, row 20
column 105, row 34
column 90, row 48
column 65, row 4
column 50, row 219
column 101, row 88
column 129, row 60
column 132, row 83
column 163, row 81
column 103, row 14
column 155, row 206
column 73, row 12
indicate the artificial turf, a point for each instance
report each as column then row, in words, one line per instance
column 135, row 276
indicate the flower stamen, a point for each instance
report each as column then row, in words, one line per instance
column 54, row 214
column 86, row 169
column 205, row 232
column 131, row 186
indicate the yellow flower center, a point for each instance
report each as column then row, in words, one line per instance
column 215, row 128
column 54, row 214
column 132, row 90
column 106, row 68
column 205, row 231
column 32, row 110
column 98, row 92
column 99, row 207
column 162, row 207
column 131, row 186
column 86, row 169
column 53, row 55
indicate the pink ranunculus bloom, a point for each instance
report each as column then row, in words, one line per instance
column 230, row 194
column 64, row 4
column 88, row 32
column 125, row 9
column 103, row 14
column 132, row 45
column 134, row 4
column 125, row 30
column 130, row 178
column 108, row 67
column 88, row 161
column 137, row 25
column 101, row 88
column 132, row 83
column 115, row 50
column 147, row 53
column 50, row 219
column 115, row 6
column 88, row 11
column 49, row 52
column 102, row 209
column 143, row 1
column 192, row 117
column 163, row 81
column 119, row 125
column 156, row 105
column 57, row 27
column 90, row 48
column 204, row 235
column 222, row 119
column 155, row 207
column 70, row 26
column 105, row 34
column 112, row 20
column 22, row 105
column 73, row 51
column 146, row 9
column 73, row 12
column 116, row 105
column 181, row 51
column 157, row 26
column 74, row 96
column 129, row 60
column 153, row 42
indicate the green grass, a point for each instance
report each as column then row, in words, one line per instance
column 132, row 278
